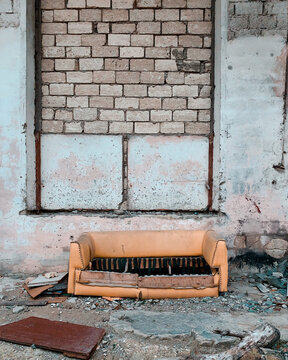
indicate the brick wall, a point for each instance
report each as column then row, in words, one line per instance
column 126, row 66
column 257, row 17
column 9, row 13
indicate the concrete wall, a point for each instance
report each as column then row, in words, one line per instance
column 250, row 184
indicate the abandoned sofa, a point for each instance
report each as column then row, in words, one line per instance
column 148, row 264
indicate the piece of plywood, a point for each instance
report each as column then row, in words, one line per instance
column 72, row 340
column 176, row 282
column 168, row 172
column 108, row 278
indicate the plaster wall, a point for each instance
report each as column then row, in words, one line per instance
column 250, row 195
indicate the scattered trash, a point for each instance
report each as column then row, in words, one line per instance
column 109, row 298
column 262, row 288
column 70, row 339
column 34, row 292
column 42, row 280
column 50, row 275
column 17, row 309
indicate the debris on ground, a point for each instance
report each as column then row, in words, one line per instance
column 72, row 340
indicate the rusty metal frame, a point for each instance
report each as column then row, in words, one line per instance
column 38, row 108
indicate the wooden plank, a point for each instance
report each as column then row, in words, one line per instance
column 108, row 278
column 176, row 282
column 34, row 292
column 76, row 340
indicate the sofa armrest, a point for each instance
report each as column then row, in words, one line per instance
column 215, row 253
column 81, row 253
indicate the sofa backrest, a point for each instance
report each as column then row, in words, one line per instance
column 147, row 243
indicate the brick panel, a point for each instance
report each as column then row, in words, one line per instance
column 126, row 66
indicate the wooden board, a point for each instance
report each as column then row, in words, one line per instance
column 108, row 278
column 72, row 340
column 176, row 282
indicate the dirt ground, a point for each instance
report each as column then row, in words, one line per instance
column 242, row 308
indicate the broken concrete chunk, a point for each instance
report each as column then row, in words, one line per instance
column 18, row 309
column 276, row 248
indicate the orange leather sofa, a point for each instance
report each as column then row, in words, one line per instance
column 130, row 244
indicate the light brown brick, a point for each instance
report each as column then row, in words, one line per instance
column 201, row 79
column 79, row 77
column 102, row 102
column 61, row 89
column 119, row 39
column 68, row 40
column 65, row 64
column 77, row 101
column 199, row 103
column 149, row 27
column 91, row 64
column 112, row 115
column 47, row 114
column 66, row 115
column 87, row 89
column 48, row 40
column 174, row 104
column 160, row 91
column 50, row 126
column 45, row 90
column 76, row 4
column 142, row 40
column 207, row 42
column 174, row 3
column 199, row 3
column 165, row 65
column 121, row 128
column 126, row 103
column 173, row 27
column 150, row 103
column 53, row 77
column 54, row 28
column 167, row 14
column 122, row 4
column 93, row 40
column 115, row 15
column 192, row 15
column 80, row 27
column 53, row 4
column 103, row 28
column 152, row 77
column 185, row 115
column 47, row 16
column 90, row 15
column 85, row 114
column 142, row 15
column 116, row 64
column 98, row 3
column 128, row 77
column 199, row 54
column 96, row 127
column 175, row 78
column 153, row 52
column 123, row 28
column 146, row 128
column 205, row 91
column 65, row 15
column 172, row 128
column 53, row 52
column 161, row 115
column 148, row 3
column 185, row 90
column 105, row 51
column 190, row 41
column 135, row 90
column 198, row 128
column 78, row 52
column 204, row 115
column 72, row 127
column 132, row 52
column 104, row 77
column 110, row 90
column 142, row 65
column 202, row 27
column 137, row 115
column 47, row 64
column 53, row 101
column 166, row 41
